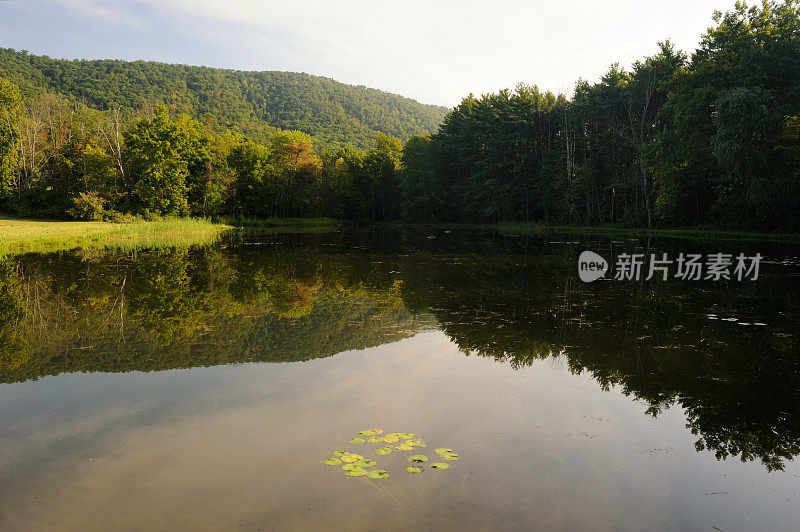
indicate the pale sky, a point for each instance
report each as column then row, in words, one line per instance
column 433, row 51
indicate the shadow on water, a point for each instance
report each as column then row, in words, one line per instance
column 276, row 297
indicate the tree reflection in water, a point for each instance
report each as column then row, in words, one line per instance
column 516, row 299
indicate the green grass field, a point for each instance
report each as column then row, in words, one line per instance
column 20, row 235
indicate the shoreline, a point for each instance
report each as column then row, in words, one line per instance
column 21, row 235
column 536, row 228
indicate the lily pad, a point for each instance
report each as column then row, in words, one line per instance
column 355, row 465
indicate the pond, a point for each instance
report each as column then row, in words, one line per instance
column 205, row 388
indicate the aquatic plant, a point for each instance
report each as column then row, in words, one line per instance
column 355, row 465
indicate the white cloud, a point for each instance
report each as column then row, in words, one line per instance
column 434, row 51
column 109, row 11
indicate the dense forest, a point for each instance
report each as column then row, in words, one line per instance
column 711, row 139
column 675, row 141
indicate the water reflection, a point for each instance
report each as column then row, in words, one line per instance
column 286, row 298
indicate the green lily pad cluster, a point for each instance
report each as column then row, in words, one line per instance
column 446, row 454
column 355, row 465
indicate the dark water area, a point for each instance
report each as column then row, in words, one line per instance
column 202, row 389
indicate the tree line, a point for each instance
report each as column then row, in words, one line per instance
column 711, row 139
column 63, row 159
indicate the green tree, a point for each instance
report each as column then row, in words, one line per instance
column 167, row 158
column 380, row 173
column 249, row 161
column 10, row 104
column 422, row 196
column 725, row 111
column 292, row 173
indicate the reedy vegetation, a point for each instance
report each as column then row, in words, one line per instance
column 676, row 141
column 44, row 236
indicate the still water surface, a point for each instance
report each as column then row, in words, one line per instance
column 200, row 389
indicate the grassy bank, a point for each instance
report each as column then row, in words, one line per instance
column 20, row 235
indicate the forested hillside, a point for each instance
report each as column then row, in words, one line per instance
column 252, row 103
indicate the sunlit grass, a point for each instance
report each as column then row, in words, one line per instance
column 20, row 235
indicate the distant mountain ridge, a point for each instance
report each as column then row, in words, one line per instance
column 254, row 103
